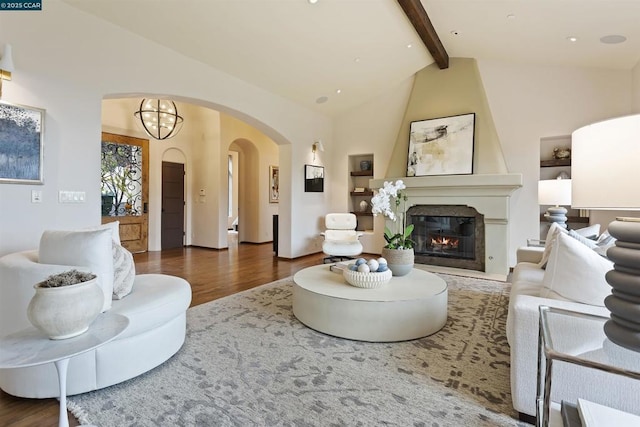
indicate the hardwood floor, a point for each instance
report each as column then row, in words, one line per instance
column 212, row 275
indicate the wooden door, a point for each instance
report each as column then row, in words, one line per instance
column 172, row 205
column 125, row 188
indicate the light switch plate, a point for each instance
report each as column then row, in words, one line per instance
column 36, row 196
column 71, row 196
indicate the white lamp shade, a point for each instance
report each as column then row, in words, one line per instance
column 554, row 192
column 6, row 62
column 605, row 165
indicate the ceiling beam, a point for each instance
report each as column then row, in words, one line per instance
column 421, row 22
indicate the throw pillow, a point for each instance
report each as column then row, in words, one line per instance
column 114, row 226
column 576, row 272
column 591, row 244
column 124, row 271
column 552, row 235
column 604, row 242
column 590, row 232
column 91, row 249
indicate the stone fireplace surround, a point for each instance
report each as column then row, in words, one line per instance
column 487, row 193
column 475, row 242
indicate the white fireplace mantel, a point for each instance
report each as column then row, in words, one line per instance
column 485, row 184
column 487, row 193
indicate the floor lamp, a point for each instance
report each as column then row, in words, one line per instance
column 606, row 176
column 555, row 193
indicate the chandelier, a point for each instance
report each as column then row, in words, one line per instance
column 159, row 118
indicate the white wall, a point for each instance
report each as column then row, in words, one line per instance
column 371, row 128
column 531, row 102
column 67, row 61
column 635, row 88
column 527, row 103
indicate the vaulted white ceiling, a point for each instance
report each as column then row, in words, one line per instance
column 305, row 51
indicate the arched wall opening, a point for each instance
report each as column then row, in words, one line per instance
column 203, row 146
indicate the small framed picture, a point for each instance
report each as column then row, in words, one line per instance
column 274, row 184
column 313, row 179
column 21, row 144
column 442, row 146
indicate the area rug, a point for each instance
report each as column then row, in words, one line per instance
column 247, row 361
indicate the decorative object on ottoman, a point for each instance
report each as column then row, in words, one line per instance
column 367, row 280
column 369, row 274
column 65, row 304
column 399, row 248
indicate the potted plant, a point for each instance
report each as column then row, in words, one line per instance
column 65, row 304
column 399, row 248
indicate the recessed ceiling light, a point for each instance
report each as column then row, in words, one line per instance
column 356, row 60
column 322, row 100
column 511, row 16
column 312, row 1
column 572, row 39
column 409, row 45
column 613, row 39
column 338, row 90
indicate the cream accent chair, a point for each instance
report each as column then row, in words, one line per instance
column 340, row 237
column 156, row 308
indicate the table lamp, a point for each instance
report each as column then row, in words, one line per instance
column 606, row 176
column 555, row 192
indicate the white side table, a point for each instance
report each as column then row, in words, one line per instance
column 578, row 339
column 30, row 347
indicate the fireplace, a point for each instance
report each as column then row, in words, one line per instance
column 448, row 235
column 487, row 193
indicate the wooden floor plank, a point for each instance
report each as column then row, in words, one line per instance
column 212, row 274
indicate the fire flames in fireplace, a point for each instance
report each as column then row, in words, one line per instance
column 444, row 243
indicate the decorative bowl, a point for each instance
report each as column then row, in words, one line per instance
column 367, row 280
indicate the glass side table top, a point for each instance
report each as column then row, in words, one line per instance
column 579, row 338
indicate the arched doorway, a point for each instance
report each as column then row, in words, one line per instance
column 203, row 146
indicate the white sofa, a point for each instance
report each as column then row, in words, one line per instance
column 156, row 308
column 569, row 381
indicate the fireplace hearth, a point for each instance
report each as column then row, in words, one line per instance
column 448, row 235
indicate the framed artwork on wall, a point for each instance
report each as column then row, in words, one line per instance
column 313, row 179
column 274, row 184
column 442, row 146
column 21, row 144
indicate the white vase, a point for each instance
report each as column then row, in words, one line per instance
column 65, row 311
column 399, row 261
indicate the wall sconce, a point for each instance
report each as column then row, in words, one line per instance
column 6, row 66
column 317, row 146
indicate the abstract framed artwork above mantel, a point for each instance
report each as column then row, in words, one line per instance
column 21, row 144
column 442, row 146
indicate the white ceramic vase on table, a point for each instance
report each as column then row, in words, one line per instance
column 65, row 311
